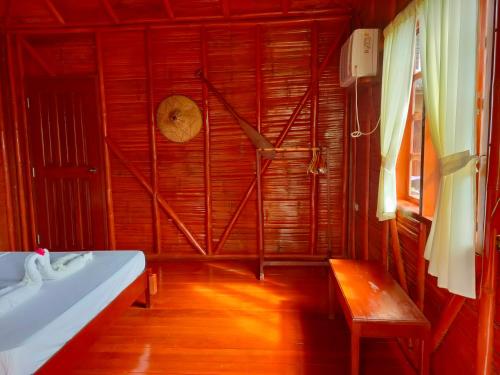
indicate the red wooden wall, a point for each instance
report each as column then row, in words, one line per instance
column 457, row 353
column 263, row 69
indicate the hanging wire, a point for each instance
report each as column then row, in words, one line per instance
column 358, row 133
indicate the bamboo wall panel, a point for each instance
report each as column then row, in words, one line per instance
column 78, row 11
column 286, row 74
column 175, row 55
column 263, row 71
column 125, row 83
column 331, row 116
column 232, row 157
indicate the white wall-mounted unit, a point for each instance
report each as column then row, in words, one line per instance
column 359, row 56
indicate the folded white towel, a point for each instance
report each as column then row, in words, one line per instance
column 38, row 268
column 64, row 266
column 16, row 294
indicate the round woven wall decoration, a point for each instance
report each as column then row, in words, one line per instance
column 179, row 118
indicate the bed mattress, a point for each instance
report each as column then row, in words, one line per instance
column 37, row 329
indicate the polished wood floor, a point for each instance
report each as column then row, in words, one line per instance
column 216, row 318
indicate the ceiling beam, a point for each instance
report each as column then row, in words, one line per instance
column 168, row 9
column 225, row 8
column 53, row 10
column 110, row 11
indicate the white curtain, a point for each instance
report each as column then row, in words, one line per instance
column 448, row 31
column 399, row 52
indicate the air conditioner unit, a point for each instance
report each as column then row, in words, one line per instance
column 359, row 56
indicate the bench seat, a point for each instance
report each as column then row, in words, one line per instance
column 375, row 305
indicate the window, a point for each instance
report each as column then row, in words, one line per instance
column 416, row 132
column 417, row 174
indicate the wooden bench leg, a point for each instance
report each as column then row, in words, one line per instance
column 355, row 349
column 332, row 297
column 425, row 353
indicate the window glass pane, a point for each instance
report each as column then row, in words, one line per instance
column 415, row 177
column 418, row 66
column 416, row 138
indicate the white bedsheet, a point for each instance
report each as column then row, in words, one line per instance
column 36, row 330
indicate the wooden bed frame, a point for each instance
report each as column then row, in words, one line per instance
column 71, row 353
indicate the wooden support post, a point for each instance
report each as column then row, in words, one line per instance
column 385, row 244
column 396, row 248
column 207, row 163
column 422, row 238
column 353, row 196
column 366, row 195
column 488, row 298
column 260, row 215
column 36, row 56
column 26, row 153
column 53, row 10
column 107, row 163
column 17, row 145
column 152, row 139
column 168, row 9
column 345, row 175
column 278, row 143
column 163, row 203
column 486, row 319
column 313, row 216
column 446, row 320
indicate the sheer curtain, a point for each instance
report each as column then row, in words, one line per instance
column 399, row 52
column 448, row 30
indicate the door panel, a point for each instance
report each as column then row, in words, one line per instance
column 65, row 153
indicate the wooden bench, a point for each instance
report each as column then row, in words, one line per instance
column 374, row 305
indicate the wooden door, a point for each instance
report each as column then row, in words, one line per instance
column 65, row 151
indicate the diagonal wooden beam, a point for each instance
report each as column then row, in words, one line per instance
column 110, row 11
column 447, row 318
column 225, row 8
column 227, row 231
column 168, row 9
column 163, row 203
column 57, row 15
column 36, row 56
column 104, row 127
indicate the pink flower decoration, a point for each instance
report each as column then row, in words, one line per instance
column 40, row 251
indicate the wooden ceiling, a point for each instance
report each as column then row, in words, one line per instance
column 63, row 13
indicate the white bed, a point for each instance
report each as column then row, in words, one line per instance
column 36, row 330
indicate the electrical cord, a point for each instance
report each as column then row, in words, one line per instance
column 358, row 133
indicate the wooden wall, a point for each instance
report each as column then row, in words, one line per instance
column 263, row 69
column 457, row 353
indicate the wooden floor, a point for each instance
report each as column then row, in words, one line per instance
column 216, row 318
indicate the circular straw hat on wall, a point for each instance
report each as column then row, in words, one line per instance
column 179, row 118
